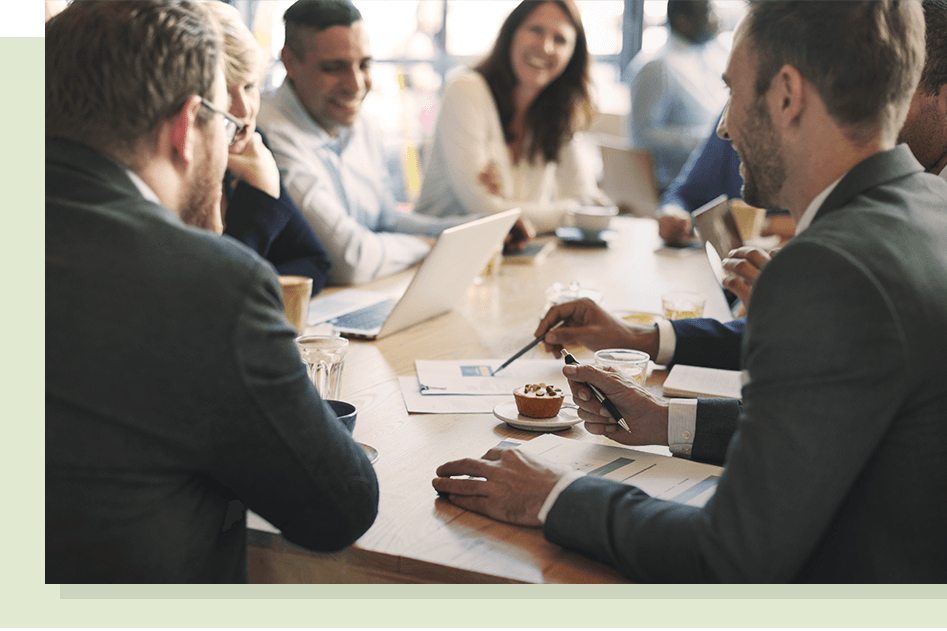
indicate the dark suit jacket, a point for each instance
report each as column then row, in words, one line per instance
column 175, row 396
column 836, row 472
column 275, row 229
column 708, row 342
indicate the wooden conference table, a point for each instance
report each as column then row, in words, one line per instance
column 418, row 538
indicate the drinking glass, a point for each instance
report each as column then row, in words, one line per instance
column 324, row 356
column 683, row 304
column 629, row 363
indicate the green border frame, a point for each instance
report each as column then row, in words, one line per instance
column 30, row 603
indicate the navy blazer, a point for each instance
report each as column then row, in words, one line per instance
column 836, row 470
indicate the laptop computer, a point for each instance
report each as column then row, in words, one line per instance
column 458, row 256
column 718, row 231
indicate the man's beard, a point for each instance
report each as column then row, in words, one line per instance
column 201, row 204
column 762, row 161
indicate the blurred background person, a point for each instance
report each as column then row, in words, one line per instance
column 256, row 208
column 677, row 92
column 504, row 134
column 925, row 130
column 712, row 169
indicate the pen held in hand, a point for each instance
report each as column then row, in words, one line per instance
column 528, row 346
column 601, row 398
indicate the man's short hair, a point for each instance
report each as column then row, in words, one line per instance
column 863, row 58
column 116, row 70
column 935, row 68
column 307, row 16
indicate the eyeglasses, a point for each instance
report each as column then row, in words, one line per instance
column 232, row 126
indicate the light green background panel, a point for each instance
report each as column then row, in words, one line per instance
column 23, row 227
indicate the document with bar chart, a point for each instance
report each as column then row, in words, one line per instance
column 663, row 477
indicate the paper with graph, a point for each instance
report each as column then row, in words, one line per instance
column 663, row 477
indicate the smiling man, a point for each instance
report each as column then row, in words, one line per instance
column 835, row 470
column 331, row 155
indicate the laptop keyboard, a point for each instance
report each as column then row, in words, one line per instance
column 367, row 318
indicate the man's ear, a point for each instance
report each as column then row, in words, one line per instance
column 787, row 97
column 289, row 62
column 183, row 135
column 942, row 101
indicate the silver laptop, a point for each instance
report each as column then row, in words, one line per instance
column 458, row 256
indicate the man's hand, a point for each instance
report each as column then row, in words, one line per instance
column 256, row 166
column 519, row 236
column 511, row 485
column 587, row 324
column 743, row 266
column 674, row 225
column 645, row 413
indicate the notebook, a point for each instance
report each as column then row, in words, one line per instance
column 697, row 381
column 458, row 256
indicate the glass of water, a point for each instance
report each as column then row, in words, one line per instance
column 324, row 356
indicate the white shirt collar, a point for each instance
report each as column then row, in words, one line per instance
column 814, row 206
column 143, row 188
column 943, row 173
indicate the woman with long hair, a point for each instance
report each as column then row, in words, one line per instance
column 505, row 132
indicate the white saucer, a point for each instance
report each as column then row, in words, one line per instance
column 370, row 451
column 507, row 412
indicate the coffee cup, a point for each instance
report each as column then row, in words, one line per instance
column 345, row 412
column 593, row 218
column 297, row 290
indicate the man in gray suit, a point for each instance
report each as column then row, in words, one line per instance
column 835, row 470
column 175, row 396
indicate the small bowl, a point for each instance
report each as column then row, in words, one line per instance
column 345, row 412
column 593, row 218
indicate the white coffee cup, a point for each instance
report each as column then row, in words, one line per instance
column 593, row 218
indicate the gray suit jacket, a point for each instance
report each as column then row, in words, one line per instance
column 836, row 472
column 175, row 396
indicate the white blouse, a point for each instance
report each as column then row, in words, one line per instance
column 468, row 137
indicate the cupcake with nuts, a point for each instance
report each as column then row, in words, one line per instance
column 538, row 400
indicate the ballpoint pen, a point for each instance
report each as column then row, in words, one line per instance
column 601, row 398
column 528, row 346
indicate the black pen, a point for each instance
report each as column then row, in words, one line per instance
column 601, row 398
column 528, row 346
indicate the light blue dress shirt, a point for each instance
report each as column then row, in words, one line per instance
column 676, row 95
column 340, row 184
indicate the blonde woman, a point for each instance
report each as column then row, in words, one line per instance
column 256, row 208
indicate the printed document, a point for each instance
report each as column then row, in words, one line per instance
column 475, row 376
column 663, row 477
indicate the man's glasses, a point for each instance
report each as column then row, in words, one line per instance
column 232, row 126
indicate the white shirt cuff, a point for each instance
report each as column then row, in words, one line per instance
column 561, row 485
column 667, row 342
column 682, row 423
